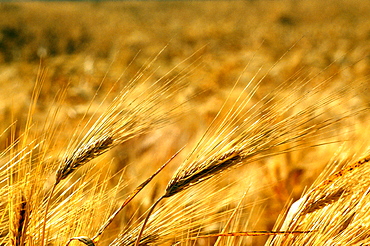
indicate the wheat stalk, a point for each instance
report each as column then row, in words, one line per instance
column 183, row 216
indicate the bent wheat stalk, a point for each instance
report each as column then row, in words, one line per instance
column 248, row 233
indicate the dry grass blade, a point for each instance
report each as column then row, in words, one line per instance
column 150, row 211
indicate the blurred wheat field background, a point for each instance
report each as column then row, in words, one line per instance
column 268, row 100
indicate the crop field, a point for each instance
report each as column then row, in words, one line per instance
column 191, row 123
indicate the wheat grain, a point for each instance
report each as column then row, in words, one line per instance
column 324, row 200
column 83, row 155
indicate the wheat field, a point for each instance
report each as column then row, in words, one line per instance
column 184, row 123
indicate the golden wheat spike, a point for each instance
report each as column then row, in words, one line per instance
column 284, row 20
column 135, row 111
column 337, row 207
column 345, row 171
column 244, row 136
column 323, row 201
column 140, row 107
column 194, row 176
column 235, row 142
column 319, row 200
column 84, row 155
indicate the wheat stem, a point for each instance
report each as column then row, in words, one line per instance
column 137, row 243
column 43, row 231
column 131, row 196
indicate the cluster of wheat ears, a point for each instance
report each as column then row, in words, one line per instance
column 44, row 201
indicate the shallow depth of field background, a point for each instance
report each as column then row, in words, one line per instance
column 216, row 43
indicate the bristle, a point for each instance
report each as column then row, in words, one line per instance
column 128, row 116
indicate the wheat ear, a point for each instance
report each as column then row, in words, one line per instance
column 331, row 208
column 140, row 107
column 223, row 152
column 137, row 109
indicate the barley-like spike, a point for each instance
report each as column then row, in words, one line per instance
column 136, row 110
column 331, row 207
column 194, row 176
column 342, row 172
column 84, row 155
column 240, row 141
column 346, row 222
column 323, row 201
column 21, row 223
